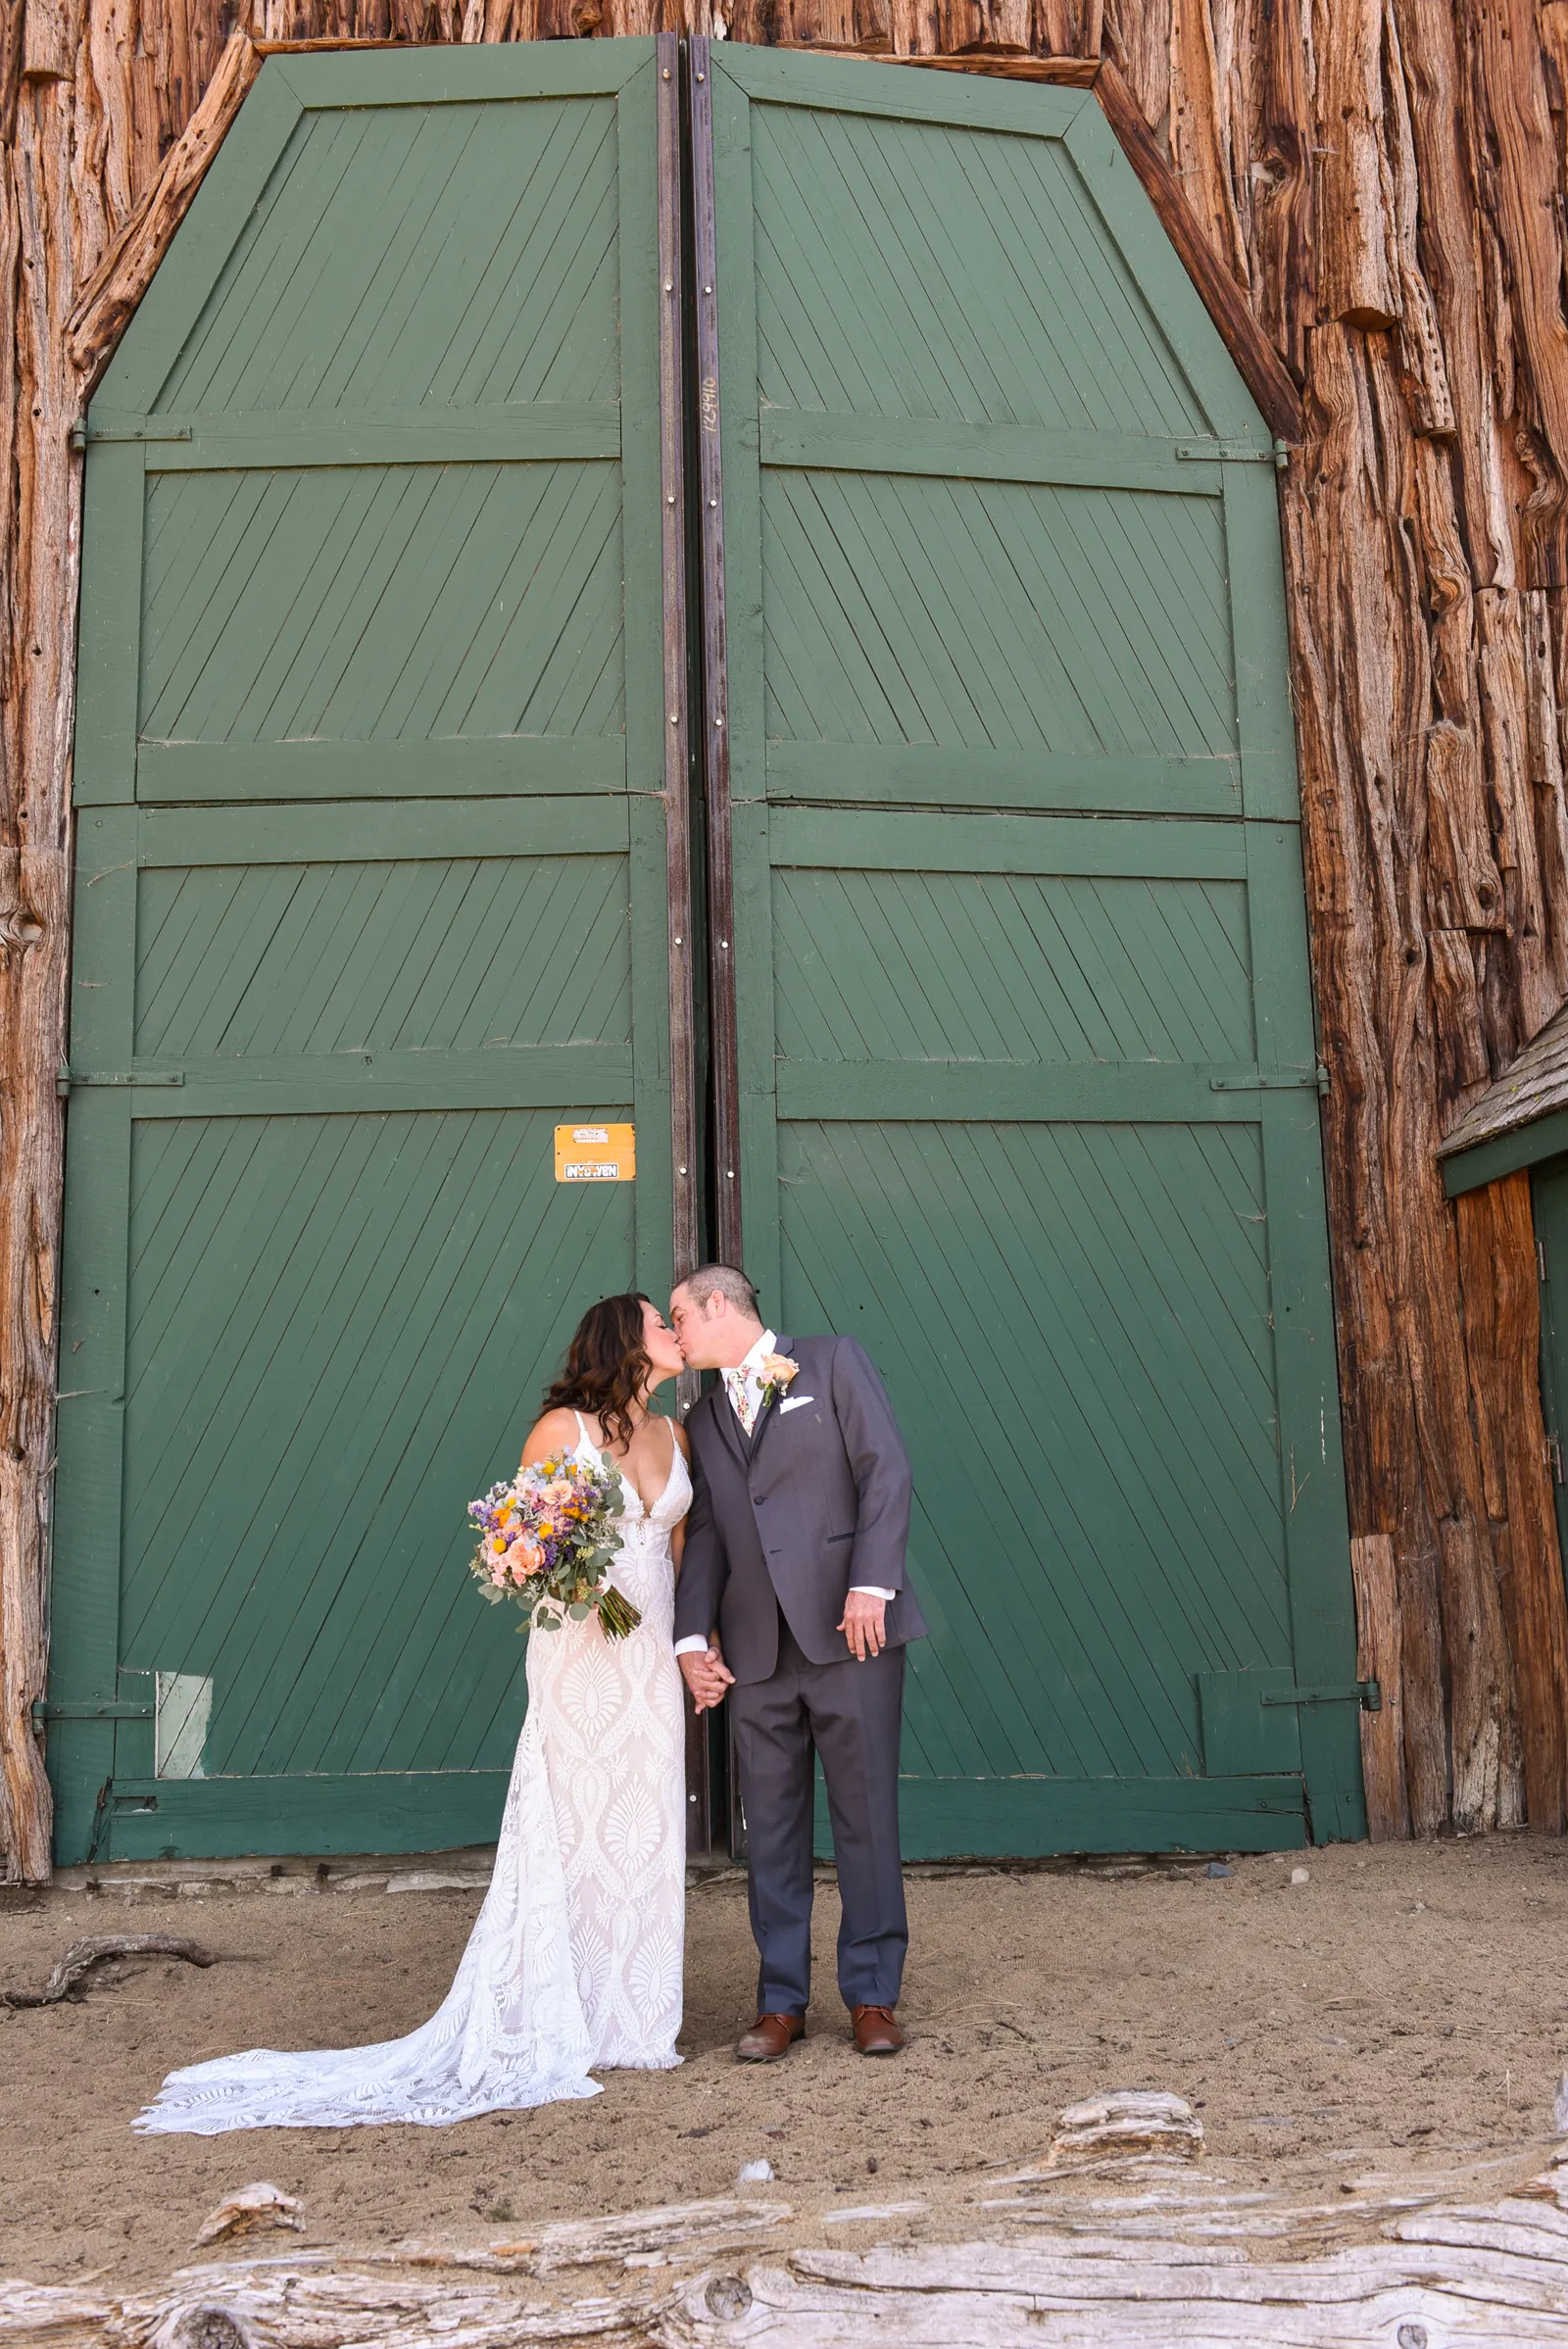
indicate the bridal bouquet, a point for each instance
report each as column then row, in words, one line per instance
column 547, row 1539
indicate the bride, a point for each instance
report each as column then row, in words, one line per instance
column 574, row 1961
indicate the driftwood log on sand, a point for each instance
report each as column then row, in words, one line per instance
column 254, row 2209
column 1128, row 2120
column 1177, row 2257
column 80, row 1958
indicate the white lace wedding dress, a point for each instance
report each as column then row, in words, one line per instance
column 574, row 1961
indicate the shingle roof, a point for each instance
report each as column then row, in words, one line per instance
column 1532, row 1086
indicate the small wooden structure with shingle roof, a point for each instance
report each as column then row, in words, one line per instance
column 1517, row 1122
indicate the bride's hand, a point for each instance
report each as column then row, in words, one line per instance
column 707, row 1675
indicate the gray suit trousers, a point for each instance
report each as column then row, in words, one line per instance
column 850, row 1714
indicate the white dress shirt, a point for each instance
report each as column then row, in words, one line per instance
column 747, row 1379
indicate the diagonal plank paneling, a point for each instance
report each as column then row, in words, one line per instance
column 373, row 603
column 891, row 280
column 396, row 573
column 1073, row 1322
column 994, row 615
column 451, row 955
column 343, row 1342
column 959, row 966
column 455, row 254
column 1006, row 511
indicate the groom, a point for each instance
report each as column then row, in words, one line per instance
column 792, row 1595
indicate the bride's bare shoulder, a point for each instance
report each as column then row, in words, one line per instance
column 558, row 1430
column 683, row 1442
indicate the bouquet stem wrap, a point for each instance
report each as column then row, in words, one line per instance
column 547, row 1539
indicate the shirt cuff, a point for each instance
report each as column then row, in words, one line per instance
column 690, row 1646
column 869, row 1590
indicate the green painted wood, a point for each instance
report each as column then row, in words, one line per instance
column 1185, row 325
column 231, row 188
column 1241, row 1735
column 572, row 1077
column 85, row 1608
column 453, row 76
column 1103, row 643
column 955, row 1091
column 863, row 444
column 646, row 721
column 1549, row 1202
column 1015, row 1818
column 745, row 711
column 245, row 643
column 1027, row 1041
column 390, row 1811
column 917, row 774
column 404, row 829
column 467, row 766
column 1486, row 1161
column 452, row 958
column 962, row 967
column 1311, row 1462
column 198, row 442
column 1262, row 646
column 1006, row 844
column 103, row 769
column 379, row 649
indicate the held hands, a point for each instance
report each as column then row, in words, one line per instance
column 864, row 1625
column 708, row 1676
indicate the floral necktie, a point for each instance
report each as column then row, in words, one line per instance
column 739, row 1390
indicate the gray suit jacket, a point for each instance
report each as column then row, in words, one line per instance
column 817, row 1500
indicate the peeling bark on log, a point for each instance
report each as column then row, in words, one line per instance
column 1502, row 1321
column 1380, row 196
column 39, row 536
column 104, row 307
column 1376, row 1659
column 1357, row 264
column 1251, row 2270
column 1267, row 377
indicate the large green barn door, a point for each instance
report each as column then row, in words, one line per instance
column 371, row 893
column 1024, row 1066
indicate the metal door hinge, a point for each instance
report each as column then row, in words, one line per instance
column 67, row 1078
column 1554, row 1456
column 1317, row 1081
column 90, row 1708
column 1367, row 1693
column 82, row 432
column 1234, row 451
column 1540, row 1260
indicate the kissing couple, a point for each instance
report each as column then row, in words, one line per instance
column 764, row 1544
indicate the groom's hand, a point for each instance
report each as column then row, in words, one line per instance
column 707, row 1674
column 864, row 1625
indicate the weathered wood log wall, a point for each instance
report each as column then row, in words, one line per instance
column 1386, row 182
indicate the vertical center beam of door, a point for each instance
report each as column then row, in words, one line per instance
column 677, row 731
column 677, row 791
column 715, row 713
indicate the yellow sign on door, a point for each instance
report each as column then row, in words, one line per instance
column 596, row 1153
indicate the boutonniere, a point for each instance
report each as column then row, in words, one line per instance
column 777, row 1372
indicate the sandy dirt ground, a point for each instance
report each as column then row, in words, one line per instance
column 1402, row 2005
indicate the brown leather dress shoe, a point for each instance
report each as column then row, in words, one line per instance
column 769, row 2037
column 875, row 2031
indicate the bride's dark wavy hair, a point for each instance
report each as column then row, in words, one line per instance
column 606, row 1365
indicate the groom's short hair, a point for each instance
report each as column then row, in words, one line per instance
column 721, row 1280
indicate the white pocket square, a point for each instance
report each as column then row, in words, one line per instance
column 792, row 1402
